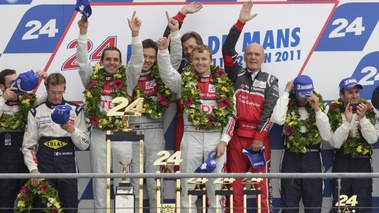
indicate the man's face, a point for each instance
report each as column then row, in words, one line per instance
column 351, row 96
column 8, row 81
column 188, row 47
column 254, row 57
column 111, row 61
column 149, row 55
column 202, row 63
column 55, row 94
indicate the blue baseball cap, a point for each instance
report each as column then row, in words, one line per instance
column 302, row 85
column 257, row 159
column 209, row 165
column 84, row 8
column 26, row 81
column 375, row 98
column 348, row 83
column 61, row 114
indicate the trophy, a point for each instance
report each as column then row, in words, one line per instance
column 125, row 133
column 124, row 196
column 346, row 202
column 224, row 191
column 251, row 190
column 198, row 191
column 166, row 160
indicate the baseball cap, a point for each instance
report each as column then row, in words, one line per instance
column 257, row 159
column 348, row 83
column 302, row 85
column 375, row 98
column 84, row 8
column 61, row 114
column 26, row 81
column 209, row 165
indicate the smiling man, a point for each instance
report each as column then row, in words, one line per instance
column 256, row 93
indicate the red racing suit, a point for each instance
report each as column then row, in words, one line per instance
column 255, row 97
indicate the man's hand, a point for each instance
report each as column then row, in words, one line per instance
column 69, row 127
column 83, row 26
column 256, row 145
column 245, row 15
column 314, row 101
column 289, row 86
column 173, row 24
column 134, row 25
column 348, row 112
column 191, row 8
column 35, row 181
column 220, row 148
column 9, row 94
column 361, row 110
column 163, row 43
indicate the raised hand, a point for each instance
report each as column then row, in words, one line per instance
column 163, row 43
column 173, row 24
column 83, row 26
column 193, row 7
column 134, row 24
column 245, row 14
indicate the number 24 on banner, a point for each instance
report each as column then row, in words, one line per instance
column 136, row 107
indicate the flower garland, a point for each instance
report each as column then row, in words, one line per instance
column 17, row 121
column 219, row 117
column 296, row 141
column 48, row 195
column 97, row 116
column 155, row 108
column 355, row 146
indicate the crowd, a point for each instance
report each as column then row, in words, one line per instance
column 224, row 114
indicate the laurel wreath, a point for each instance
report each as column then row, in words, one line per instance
column 97, row 116
column 219, row 117
column 355, row 145
column 155, row 107
column 17, row 121
column 296, row 141
column 47, row 194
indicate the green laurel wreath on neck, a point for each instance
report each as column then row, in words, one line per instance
column 92, row 104
column 219, row 117
column 154, row 108
column 296, row 141
column 17, row 121
column 355, row 145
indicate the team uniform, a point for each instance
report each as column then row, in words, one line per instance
column 196, row 143
column 121, row 150
column 361, row 187
column 50, row 149
column 255, row 95
column 293, row 190
column 11, row 159
column 153, row 131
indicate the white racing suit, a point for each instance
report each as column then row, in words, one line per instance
column 120, row 150
column 154, row 140
column 196, row 143
column 50, row 149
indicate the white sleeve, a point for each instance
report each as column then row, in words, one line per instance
column 2, row 103
column 30, row 143
column 175, row 50
column 134, row 67
column 85, row 68
column 369, row 132
column 168, row 74
column 341, row 133
column 80, row 136
column 323, row 125
column 279, row 113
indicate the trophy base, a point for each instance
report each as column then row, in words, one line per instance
column 124, row 198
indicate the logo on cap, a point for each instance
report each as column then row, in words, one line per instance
column 209, row 165
column 84, row 8
column 61, row 114
column 303, row 85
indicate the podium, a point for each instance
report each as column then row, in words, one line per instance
column 124, row 195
